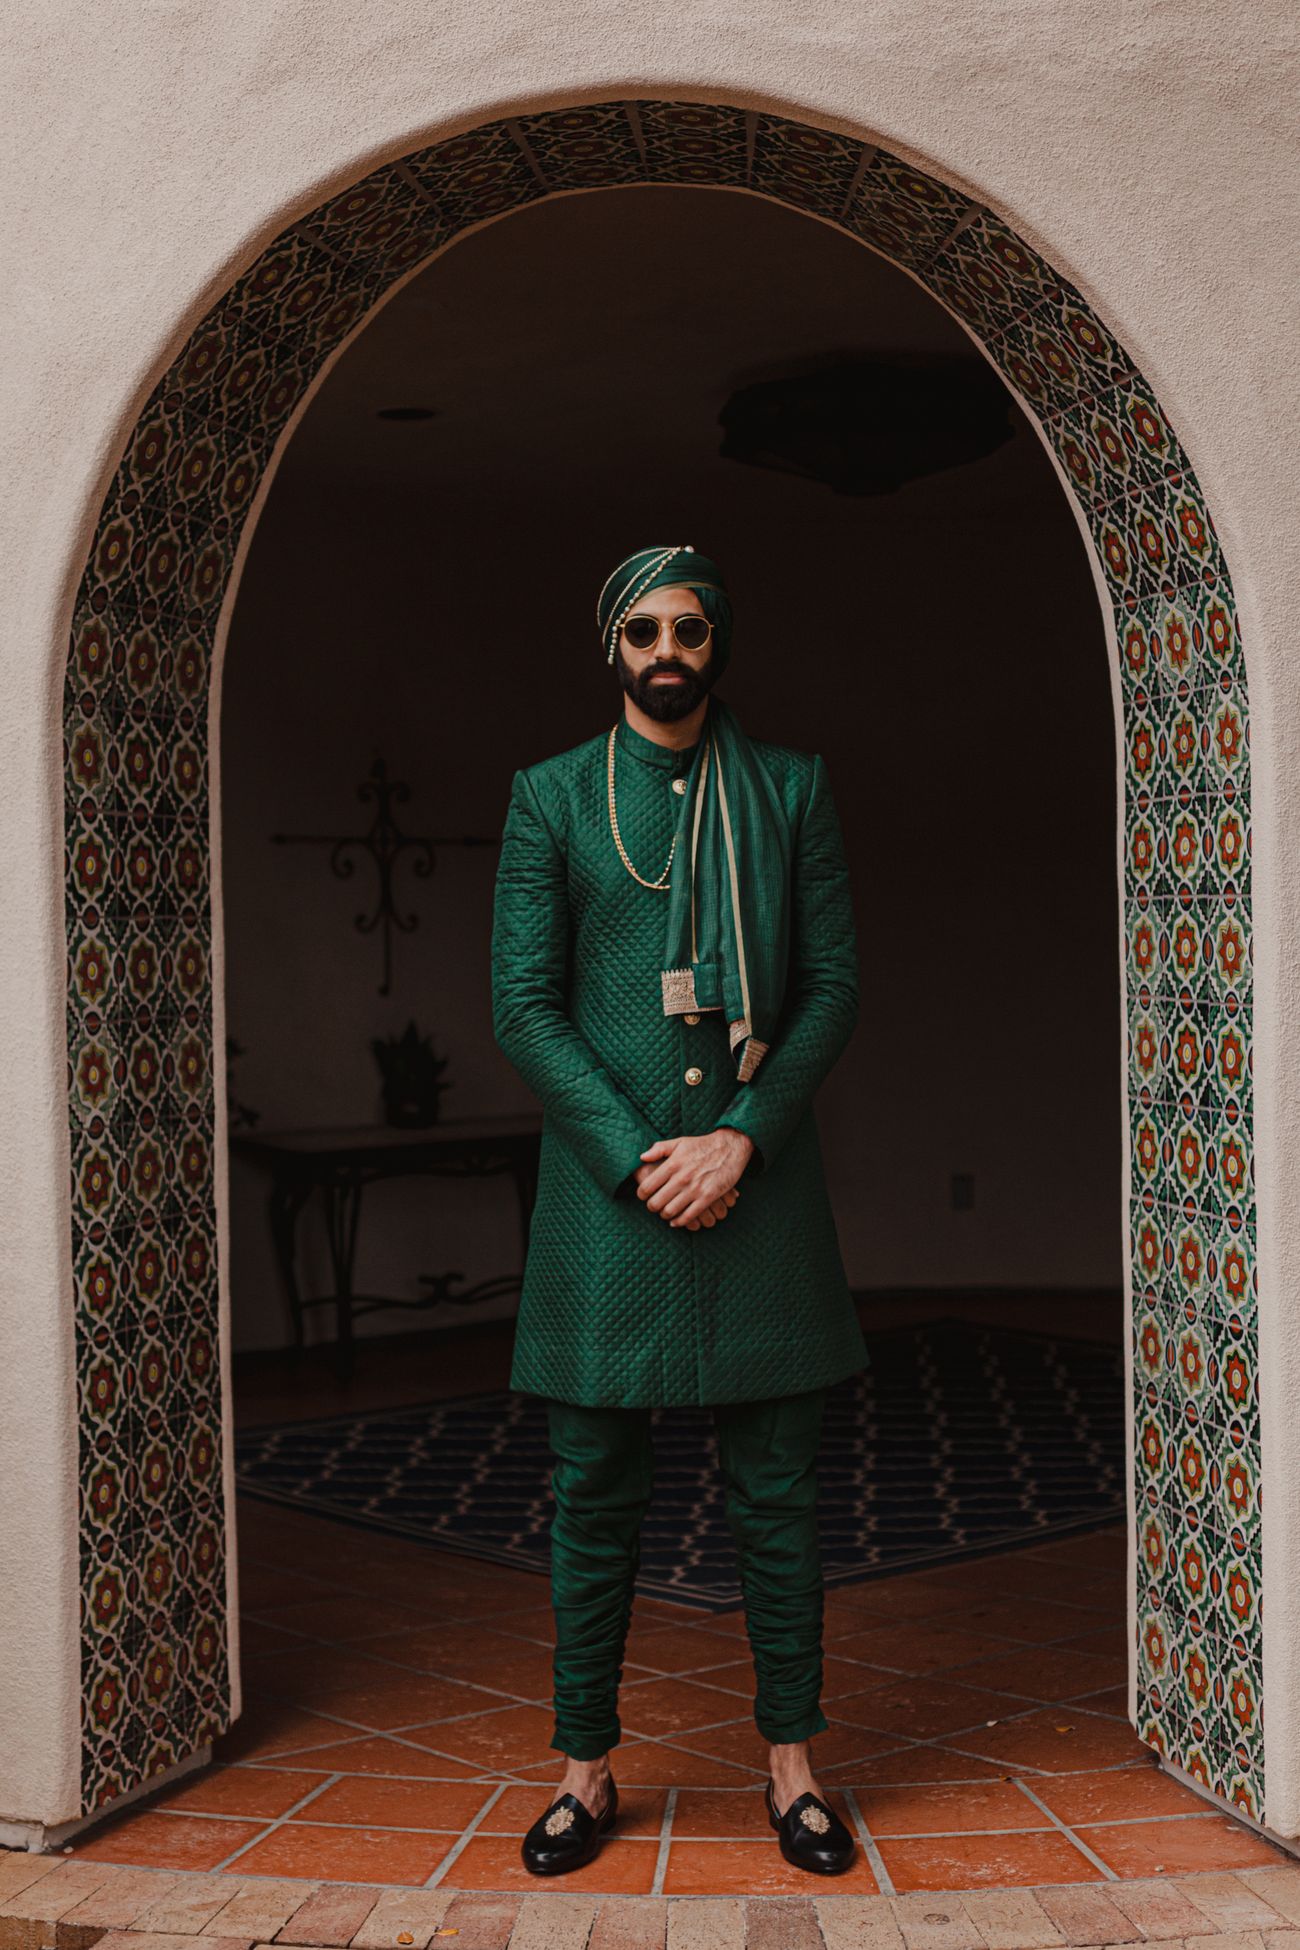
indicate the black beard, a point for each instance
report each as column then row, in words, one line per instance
column 663, row 702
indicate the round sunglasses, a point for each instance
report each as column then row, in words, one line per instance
column 691, row 631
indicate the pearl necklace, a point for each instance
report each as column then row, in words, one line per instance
column 663, row 884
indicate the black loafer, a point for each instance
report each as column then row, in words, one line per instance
column 811, row 1835
column 566, row 1834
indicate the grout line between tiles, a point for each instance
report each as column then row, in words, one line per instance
column 665, row 1840
column 884, row 1881
column 271, row 1826
column 1077, row 1841
column 849, row 1794
column 458, row 1848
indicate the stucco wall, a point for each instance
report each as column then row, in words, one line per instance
column 1147, row 152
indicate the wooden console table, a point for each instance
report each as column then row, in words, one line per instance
column 342, row 1161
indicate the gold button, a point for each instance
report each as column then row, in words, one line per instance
column 694, row 1076
column 679, row 785
column 690, row 1016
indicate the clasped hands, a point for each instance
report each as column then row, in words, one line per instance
column 691, row 1181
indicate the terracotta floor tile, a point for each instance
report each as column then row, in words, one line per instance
column 1105, row 1545
column 1107, row 1639
column 374, row 1801
column 1061, row 1740
column 368, row 1692
column 526, row 1585
column 256, row 1638
column 723, row 1624
column 415, row 1697
column 530, row 1622
column 1111, row 1699
column 721, row 1812
column 659, row 1707
column 264, row 1585
column 1067, row 1556
column 849, row 1675
column 650, row 1610
column 640, row 1810
column 678, row 1648
column 1116, row 1792
column 303, row 1662
column 650, row 1762
column 744, row 1868
column 1073, row 1576
column 743, row 1745
column 839, row 1678
column 252, row 1791
column 345, row 1617
column 510, row 1737
column 269, row 1727
column 1180, row 1847
column 1030, row 1621
column 925, row 1709
column 504, row 1582
column 346, row 1854
column 955, row 1809
column 374, row 1754
column 732, row 1674
column 619, row 1868
column 985, row 1862
column 872, row 1642
column 739, row 1742
column 892, row 1598
column 435, row 1588
column 712, row 1811
column 917, row 1649
column 905, row 1766
column 160, row 1841
column 844, row 1741
column 1046, row 1672
column 493, row 1658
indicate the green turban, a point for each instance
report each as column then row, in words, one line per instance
column 658, row 568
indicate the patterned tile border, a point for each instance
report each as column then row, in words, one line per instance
column 156, row 1683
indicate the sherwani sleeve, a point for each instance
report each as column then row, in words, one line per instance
column 530, row 1019
column 821, row 1000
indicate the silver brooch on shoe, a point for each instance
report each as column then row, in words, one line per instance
column 561, row 1819
column 815, row 1818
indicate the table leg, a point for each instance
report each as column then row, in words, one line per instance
column 288, row 1196
column 342, row 1219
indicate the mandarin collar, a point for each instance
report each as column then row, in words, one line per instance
column 637, row 745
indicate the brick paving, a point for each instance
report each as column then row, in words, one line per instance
column 395, row 1746
column 1187, row 1914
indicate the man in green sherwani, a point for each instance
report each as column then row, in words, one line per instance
column 674, row 973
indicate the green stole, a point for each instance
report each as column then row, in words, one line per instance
column 729, row 896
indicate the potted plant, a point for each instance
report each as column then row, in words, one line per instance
column 411, row 1074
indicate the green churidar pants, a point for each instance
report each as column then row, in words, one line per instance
column 602, row 1478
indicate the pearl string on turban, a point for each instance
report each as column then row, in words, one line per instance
column 658, row 568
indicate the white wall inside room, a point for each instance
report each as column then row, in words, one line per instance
column 426, row 590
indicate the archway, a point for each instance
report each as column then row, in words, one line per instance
column 144, row 1010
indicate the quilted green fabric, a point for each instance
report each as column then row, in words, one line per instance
column 619, row 1308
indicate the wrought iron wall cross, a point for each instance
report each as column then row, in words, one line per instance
column 385, row 842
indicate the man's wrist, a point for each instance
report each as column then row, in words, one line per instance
column 748, row 1140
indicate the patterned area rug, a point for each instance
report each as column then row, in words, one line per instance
column 957, row 1440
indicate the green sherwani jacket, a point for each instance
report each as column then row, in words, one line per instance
column 618, row 1308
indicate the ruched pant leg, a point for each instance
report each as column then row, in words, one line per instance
column 768, row 1453
column 602, row 1480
